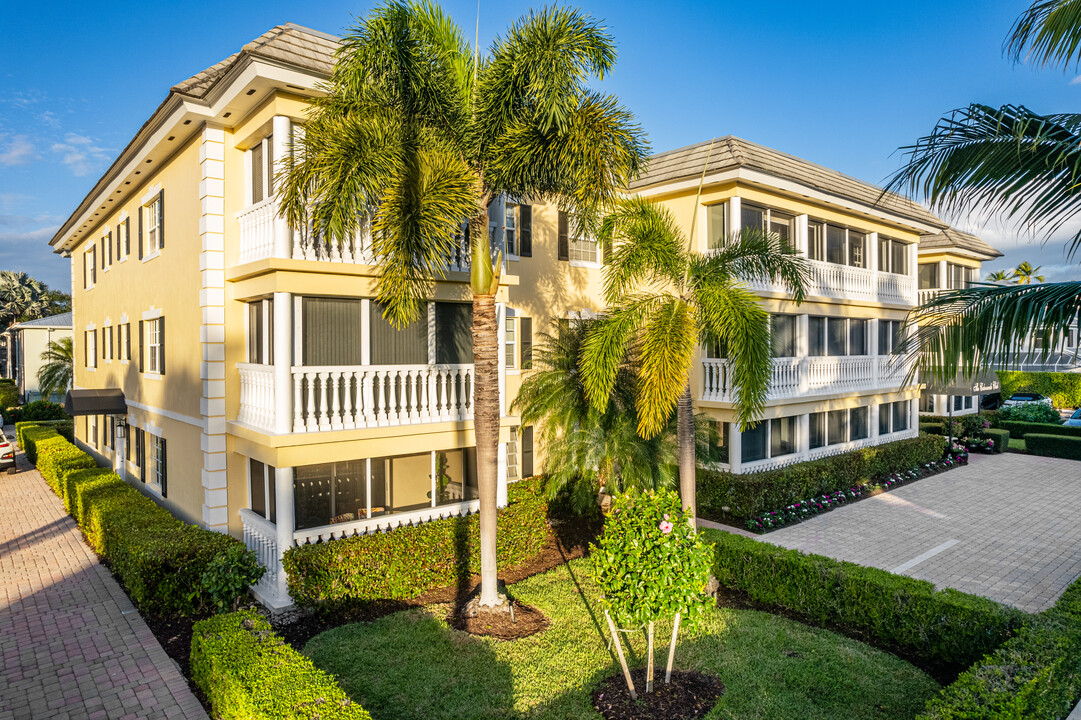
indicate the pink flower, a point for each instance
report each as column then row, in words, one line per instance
column 666, row 516
column 666, row 527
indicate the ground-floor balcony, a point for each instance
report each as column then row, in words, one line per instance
column 816, row 375
column 362, row 396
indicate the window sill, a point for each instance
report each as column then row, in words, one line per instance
column 593, row 265
column 151, row 256
column 91, row 368
column 152, row 376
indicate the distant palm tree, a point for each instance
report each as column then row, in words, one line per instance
column 1000, row 276
column 54, row 376
column 665, row 301
column 421, row 132
column 588, row 448
column 21, row 298
column 1025, row 274
column 1007, row 160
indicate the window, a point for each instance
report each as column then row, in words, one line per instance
column 90, row 268
column 959, row 276
column 155, row 360
column 109, row 436
column 158, row 464
column 893, row 417
column 842, row 246
column 958, row 402
column 889, row 336
column 527, row 451
column 453, row 333
column 92, row 430
column 857, row 249
column 782, row 436
column 510, row 228
column 783, row 335
column 968, row 402
column 107, row 250
column 857, row 423
column 510, row 339
column 927, row 402
column 900, row 415
column 817, row 424
column 123, row 243
column 753, row 442
column 892, row 256
column 837, row 421
column 816, row 240
column 717, row 450
column 835, row 244
column 716, row 226
column 857, row 337
column 90, row 344
column 261, row 490
column 155, row 231
column 836, row 336
column 928, row 276
column 583, row 250
column 261, row 162
column 816, row 341
column 525, row 332
column 512, row 455
column 107, row 342
column 775, row 222
column 261, row 332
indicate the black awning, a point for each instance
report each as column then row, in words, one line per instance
column 106, row 401
column 980, row 384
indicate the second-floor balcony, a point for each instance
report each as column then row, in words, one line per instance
column 808, row 376
column 835, row 281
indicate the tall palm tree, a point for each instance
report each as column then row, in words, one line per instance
column 665, row 300
column 21, row 298
column 1008, row 160
column 420, row 131
column 54, row 376
column 1000, row 276
column 588, row 448
column 1025, row 273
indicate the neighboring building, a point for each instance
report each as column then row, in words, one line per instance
column 25, row 342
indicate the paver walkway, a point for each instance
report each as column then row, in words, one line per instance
column 1007, row 527
column 71, row 643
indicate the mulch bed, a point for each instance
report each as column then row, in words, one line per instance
column 691, row 694
column 501, row 623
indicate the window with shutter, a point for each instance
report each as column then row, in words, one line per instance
column 525, row 328
column 525, row 230
column 564, row 239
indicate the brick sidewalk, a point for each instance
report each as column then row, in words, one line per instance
column 71, row 643
column 1005, row 527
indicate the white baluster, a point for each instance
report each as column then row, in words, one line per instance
column 414, row 376
column 313, row 420
column 298, row 415
column 381, row 406
column 336, row 408
column 349, row 419
column 368, row 381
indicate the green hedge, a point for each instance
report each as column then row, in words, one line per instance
column 159, row 559
column 9, row 396
column 750, row 494
column 1034, row 675
column 933, row 428
column 66, row 428
column 1064, row 389
column 1055, row 446
column 942, row 625
column 409, row 561
column 29, row 435
column 249, row 673
column 1001, row 438
column 1022, row 429
column 36, row 411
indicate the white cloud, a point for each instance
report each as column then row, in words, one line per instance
column 16, row 151
column 80, row 153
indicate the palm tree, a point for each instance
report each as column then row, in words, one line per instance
column 664, row 301
column 54, row 376
column 586, row 448
column 419, row 131
column 21, row 298
column 1000, row 276
column 1003, row 160
column 1025, row 274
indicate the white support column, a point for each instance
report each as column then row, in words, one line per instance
column 873, row 430
column 735, row 448
column 283, row 498
column 212, row 329
column 942, row 280
column 801, row 235
column 432, row 476
column 501, row 478
column 282, row 137
column 914, row 271
column 872, row 251
column 734, row 220
column 803, row 436
column 283, row 362
column 803, row 349
column 119, row 454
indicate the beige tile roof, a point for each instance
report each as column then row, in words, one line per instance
column 731, row 152
column 288, row 43
column 951, row 238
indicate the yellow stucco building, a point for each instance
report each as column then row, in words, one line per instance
column 268, row 398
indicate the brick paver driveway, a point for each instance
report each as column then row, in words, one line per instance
column 1006, row 526
column 71, row 643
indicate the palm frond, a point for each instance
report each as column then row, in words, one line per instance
column 989, row 327
column 1048, row 32
column 669, row 339
column 55, row 373
column 647, row 247
column 1006, row 160
column 755, row 253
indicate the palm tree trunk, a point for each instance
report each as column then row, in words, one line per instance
column 486, row 428
column 685, row 433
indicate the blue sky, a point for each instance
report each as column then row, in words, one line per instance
column 843, row 84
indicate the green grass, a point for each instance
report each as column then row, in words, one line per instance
column 1017, row 444
column 411, row 665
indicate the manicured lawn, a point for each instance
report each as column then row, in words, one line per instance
column 411, row 665
column 1017, row 444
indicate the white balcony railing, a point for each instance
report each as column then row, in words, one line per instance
column 344, row 398
column 830, row 280
column 257, row 230
column 261, row 537
column 382, row 523
column 793, row 377
column 356, row 250
column 926, row 296
column 256, row 395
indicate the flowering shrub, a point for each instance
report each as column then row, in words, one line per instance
column 649, row 562
column 984, row 444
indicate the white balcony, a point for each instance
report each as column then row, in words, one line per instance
column 257, row 230
column 795, row 377
column 261, row 537
column 926, row 296
column 844, row 282
column 383, row 523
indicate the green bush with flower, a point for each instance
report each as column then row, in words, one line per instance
column 651, row 565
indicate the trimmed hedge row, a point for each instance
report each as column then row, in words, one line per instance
column 944, row 625
column 66, row 428
column 247, row 672
column 1064, row 389
column 1056, row 446
column 1001, row 438
column 9, row 395
column 28, row 435
column 409, row 561
column 1022, row 429
column 748, row 495
column 159, row 559
column 1034, row 675
column 933, row 428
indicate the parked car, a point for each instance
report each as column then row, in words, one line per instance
column 1075, row 419
column 991, row 401
column 1026, row 399
column 7, row 453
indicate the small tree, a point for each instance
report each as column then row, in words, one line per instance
column 651, row 565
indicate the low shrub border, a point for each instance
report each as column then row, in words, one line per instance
column 1022, row 429
column 160, row 560
column 1036, row 674
column 1056, row 446
column 933, row 428
column 724, row 496
column 407, row 562
column 1001, row 438
column 248, row 672
column 945, row 626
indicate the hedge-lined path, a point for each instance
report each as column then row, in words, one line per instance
column 72, row 644
column 1005, row 527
